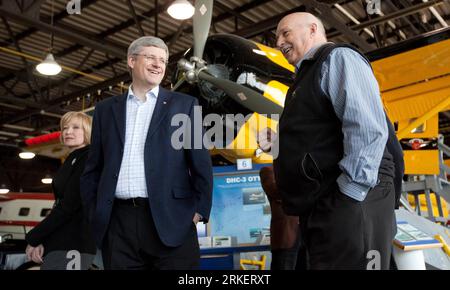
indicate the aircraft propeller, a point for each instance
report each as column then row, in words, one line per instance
column 195, row 68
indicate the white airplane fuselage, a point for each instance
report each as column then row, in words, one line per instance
column 20, row 212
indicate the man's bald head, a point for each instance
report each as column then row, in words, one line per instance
column 297, row 33
column 305, row 19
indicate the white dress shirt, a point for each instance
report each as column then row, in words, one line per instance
column 132, row 181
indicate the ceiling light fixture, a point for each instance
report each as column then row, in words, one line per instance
column 3, row 189
column 17, row 127
column 47, row 179
column 49, row 66
column 10, row 134
column 26, row 155
column 181, row 9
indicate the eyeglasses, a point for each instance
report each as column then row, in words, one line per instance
column 152, row 58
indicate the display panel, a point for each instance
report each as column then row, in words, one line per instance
column 240, row 206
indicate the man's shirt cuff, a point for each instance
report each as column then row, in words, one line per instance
column 352, row 189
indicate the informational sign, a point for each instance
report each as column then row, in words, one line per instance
column 240, row 207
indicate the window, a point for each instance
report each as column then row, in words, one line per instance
column 45, row 212
column 419, row 129
column 24, row 211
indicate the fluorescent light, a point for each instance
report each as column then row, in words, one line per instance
column 346, row 13
column 437, row 15
column 9, row 134
column 17, row 127
column 47, row 180
column 4, row 190
column 49, row 66
column 50, row 114
column 26, row 155
column 11, row 106
column 181, row 9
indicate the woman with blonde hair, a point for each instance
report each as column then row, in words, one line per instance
column 63, row 239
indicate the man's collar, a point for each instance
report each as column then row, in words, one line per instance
column 154, row 91
column 309, row 54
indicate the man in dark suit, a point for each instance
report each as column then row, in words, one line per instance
column 144, row 195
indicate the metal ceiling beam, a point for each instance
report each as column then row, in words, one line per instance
column 111, row 64
column 157, row 19
column 268, row 24
column 63, row 86
column 177, row 34
column 392, row 34
column 401, row 13
column 236, row 14
column 134, row 15
column 130, row 22
column 326, row 14
column 24, row 61
column 23, row 102
column 423, row 26
column 74, row 77
column 70, row 33
column 56, row 102
column 8, row 90
column 245, row 7
column 413, row 28
column 61, row 15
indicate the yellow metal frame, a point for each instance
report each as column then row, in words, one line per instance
column 261, row 263
column 433, row 112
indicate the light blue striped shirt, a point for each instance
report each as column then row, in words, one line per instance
column 131, row 182
column 349, row 82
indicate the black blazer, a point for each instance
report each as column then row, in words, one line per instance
column 179, row 181
column 66, row 227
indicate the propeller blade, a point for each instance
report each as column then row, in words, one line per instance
column 179, row 83
column 202, row 23
column 245, row 96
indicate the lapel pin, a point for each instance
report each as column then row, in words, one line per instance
column 164, row 102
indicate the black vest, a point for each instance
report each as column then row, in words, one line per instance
column 310, row 140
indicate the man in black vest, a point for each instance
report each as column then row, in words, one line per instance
column 334, row 168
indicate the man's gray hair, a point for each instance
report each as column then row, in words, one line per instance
column 145, row 41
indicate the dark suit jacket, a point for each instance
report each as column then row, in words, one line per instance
column 394, row 147
column 179, row 182
column 66, row 227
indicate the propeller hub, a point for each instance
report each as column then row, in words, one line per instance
column 191, row 76
column 185, row 65
column 199, row 63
